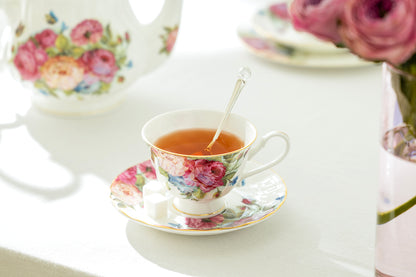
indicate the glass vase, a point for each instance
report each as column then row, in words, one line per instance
column 396, row 211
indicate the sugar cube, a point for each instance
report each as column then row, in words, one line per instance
column 156, row 205
column 153, row 187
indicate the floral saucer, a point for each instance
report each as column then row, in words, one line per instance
column 271, row 23
column 259, row 197
column 284, row 54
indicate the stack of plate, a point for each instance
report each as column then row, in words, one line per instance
column 271, row 36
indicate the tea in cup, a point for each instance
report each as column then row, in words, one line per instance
column 198, row 181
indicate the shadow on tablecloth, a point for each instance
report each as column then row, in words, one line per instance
column 265, row 249
column 102, row 145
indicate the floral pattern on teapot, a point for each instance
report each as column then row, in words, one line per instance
column 61, row 61
column 169, row 39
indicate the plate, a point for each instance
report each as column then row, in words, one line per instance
column 273, row 27
column 257, row 199
column 288, row 55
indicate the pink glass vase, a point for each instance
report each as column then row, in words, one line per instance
column 396, row 208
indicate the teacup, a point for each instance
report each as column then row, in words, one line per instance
column 198, row 183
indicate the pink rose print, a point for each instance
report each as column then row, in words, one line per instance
column 169, row 39
column 128, row 193
column 28, row 60
column 148, row 169
column 204, row 223
column 170, row 42
column 100, row 65
column 242, row 221
column 128, row 176
column 207, row 175
column 46, row 38
column 63, row 61
column 88, row 31
column 174, row 165
column 280, row 10
column 257, row 43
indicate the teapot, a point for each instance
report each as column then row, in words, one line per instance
column 79, row 56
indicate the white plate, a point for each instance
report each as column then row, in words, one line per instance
column 260, row 196
column 284, row 54
column 272, row 27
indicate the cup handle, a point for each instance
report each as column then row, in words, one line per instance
column 260, row 144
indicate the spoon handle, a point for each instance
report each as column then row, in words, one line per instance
column 243, row 75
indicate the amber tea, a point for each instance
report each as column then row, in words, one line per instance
column 194, row 141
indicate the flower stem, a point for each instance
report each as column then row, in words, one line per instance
column 384, row 217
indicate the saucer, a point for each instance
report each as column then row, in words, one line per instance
column 259, row 197
column 288, row 55
column 272, row 26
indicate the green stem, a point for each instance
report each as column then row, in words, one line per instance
column 384, row 217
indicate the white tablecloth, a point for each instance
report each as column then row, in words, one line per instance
column 56, row 218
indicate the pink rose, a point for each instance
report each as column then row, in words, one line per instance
column 88, row 31
column 100, row 65
column 28, row 60
column 207, row 175
column 148, row 170
column 280, row 10
column 204, row 223
column 128, row 176
column 318, row 17
column 380, row 29
column 46, row 38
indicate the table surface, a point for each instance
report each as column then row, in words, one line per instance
column 56, row 215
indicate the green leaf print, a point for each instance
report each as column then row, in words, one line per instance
column 140, row 181
column 104, row 39
column 104, row 87
column 61, row 42
column 163, row 172
column 52, row 52
column 113, row 43
column 121, row 61
column 229, row 176
column 39, row 84
column 108, row 31
column 198, row 194
column 69, row 92
column 77, row 52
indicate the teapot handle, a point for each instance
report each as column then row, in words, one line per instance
column 156, row 34
column 10, row 12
